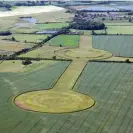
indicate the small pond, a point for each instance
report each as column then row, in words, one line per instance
column 29, row 19
column 100, row 8
column 47, row 32
column 125, row 7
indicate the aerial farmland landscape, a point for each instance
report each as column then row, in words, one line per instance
column 66, row 66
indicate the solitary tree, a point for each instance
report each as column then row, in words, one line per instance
column 13, row 39
column 130, row 20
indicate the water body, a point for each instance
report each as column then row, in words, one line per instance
column 47, row 32
column 125, row 7
column 30, row 10
column 100, row 8
column 30, row 20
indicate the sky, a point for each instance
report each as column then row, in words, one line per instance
column 72, row 0
column 62, row 0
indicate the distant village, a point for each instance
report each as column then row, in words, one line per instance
column 9, row 4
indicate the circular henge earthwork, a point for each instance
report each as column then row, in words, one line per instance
column 90, row 53
column 50, row 101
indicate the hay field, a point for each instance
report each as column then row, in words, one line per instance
column 43, row 52
column 28, row 37
column 11, row 46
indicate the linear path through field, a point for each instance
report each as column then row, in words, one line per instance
column 70, row 76
column 61, row 98
column 85, row 42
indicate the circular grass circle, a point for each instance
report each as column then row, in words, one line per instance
column 51, row 101
column 90, row 53
column 83, row 54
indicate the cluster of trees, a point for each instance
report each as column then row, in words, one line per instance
column 26, row 62
column 5, row 33
column 2, row 4
column 130, row 13
column 88, row 25
column 30, row 3
column 83, row 21
column 130, row 19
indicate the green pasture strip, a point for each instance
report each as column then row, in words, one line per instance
column 20, row 30
column 88, row 32
column 120, row 29
column 50, row 26
column 28, row 37
column 118, row 23
column 65, row 40
column 110, row 84
column 13, row 119
column 119, row 45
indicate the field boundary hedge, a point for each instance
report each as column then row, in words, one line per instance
column 33, row 59
column 109, row 61
column 112, row 34
column 38, row 45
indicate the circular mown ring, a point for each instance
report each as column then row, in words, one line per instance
column 51, row 101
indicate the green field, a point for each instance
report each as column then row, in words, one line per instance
column 110, row 84
column 65, row 40
column 22, row 30
column 119, row 45
column 111, row 29
column 13, row 119
column 120, row 29
column 28, row 37
column 50, row 26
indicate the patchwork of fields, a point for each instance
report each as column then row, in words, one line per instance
column 119, row 45
column 108, row 84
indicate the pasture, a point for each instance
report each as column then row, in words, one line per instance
column 50, row 26
column 120, row 23
column 43, row 52
column 65, row 41
column 119, row 45
column 120, row 29
column 11, row 46
column 12, row 119
column 57, row 16
column 28, row 37
column 19, row 30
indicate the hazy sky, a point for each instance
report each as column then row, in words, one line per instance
column 62, row 0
